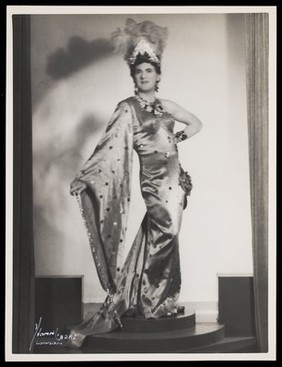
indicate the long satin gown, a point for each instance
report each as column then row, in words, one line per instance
column 149, row 281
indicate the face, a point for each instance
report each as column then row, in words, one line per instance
column 146, row 77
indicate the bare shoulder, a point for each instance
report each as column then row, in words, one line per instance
column 179, row 113
column 170, row 106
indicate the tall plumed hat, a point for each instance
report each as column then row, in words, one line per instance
column 144, row 39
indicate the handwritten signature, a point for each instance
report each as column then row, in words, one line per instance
column 41, row 337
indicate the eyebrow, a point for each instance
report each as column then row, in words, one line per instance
column 147, row 68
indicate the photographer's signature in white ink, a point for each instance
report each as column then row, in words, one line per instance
column 43, row 337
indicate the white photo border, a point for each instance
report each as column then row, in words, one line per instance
column 271, row 10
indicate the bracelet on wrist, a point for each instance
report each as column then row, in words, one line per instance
column 181, row 135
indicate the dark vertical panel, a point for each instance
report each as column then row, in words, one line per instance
column 58, row 301
column 23, row 253
column 257, row 53
column 236, row 305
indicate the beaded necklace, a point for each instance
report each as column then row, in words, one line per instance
column 155, row 107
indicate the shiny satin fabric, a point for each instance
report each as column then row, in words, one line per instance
column 149, row 281
column 105, row 202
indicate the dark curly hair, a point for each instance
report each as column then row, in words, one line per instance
column 144, row 58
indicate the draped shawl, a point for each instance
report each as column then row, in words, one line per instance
column 105, row 202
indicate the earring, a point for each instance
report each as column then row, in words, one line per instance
column 157, row 86
column 135, row 90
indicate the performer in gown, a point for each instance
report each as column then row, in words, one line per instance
column 148, row 282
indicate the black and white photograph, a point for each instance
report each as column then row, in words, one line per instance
column 140, row 213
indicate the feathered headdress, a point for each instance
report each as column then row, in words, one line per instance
column 145, row 38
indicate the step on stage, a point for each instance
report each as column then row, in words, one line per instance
column 169, row 334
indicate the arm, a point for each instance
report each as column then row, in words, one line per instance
column 193, row 124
